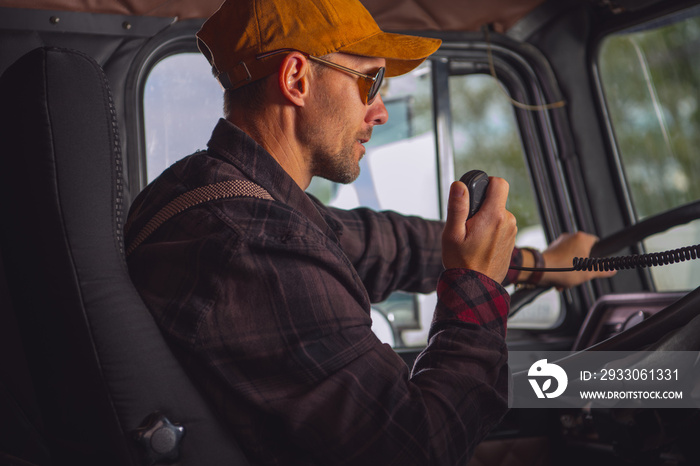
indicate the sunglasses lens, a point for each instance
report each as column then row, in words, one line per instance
column 376, row 85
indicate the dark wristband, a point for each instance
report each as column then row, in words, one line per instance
column 536, row 276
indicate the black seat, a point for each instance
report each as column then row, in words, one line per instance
column 98, row 363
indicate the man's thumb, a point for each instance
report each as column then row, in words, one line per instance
column 457, row 210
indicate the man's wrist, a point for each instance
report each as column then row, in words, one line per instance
column 531, row 258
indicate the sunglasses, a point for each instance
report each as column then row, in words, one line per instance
column 369, row 84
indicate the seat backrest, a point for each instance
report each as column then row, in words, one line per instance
column 98, row 362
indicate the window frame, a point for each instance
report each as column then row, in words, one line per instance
column 546, row 139
column 177, row 38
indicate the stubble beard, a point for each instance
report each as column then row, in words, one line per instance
column 340, row 166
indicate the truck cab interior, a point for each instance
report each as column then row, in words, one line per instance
column 589, row 108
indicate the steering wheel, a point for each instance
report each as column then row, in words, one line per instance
column 621, row 239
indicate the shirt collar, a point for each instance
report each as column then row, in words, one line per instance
column 239, row 149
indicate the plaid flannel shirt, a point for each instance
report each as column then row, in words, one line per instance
column 267, row 303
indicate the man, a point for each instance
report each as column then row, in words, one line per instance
column 266, row 295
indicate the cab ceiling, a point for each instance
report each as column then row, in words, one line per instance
column 416, row 15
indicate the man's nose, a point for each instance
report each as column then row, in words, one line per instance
column 376, row 112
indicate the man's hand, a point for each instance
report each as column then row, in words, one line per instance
column 485, row 242
column 561, row 253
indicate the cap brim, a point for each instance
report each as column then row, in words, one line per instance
column 402, row 52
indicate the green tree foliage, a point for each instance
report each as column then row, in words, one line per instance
column 486, row 137
column 651, row 79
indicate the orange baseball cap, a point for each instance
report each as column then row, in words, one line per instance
column 240, row 30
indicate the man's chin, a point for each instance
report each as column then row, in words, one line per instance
column 342, row 177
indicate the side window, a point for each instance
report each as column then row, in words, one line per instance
column 486, row 137
column 181, row 104
column 650, row 77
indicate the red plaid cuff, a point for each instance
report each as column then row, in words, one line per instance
column 471, row 297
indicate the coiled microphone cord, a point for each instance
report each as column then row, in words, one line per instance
column 623, row 262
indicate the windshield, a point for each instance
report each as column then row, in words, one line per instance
column 651, row 76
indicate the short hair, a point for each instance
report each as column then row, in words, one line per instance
column 252, row 96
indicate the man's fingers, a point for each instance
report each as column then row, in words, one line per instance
column 485, row 242
column 496, row 194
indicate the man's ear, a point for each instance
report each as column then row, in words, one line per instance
column 294, row 78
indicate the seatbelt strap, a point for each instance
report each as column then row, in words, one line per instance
column 210, row 192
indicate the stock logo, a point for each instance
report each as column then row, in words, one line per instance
column 541, row 375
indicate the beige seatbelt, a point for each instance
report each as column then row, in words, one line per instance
column 210, row 192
